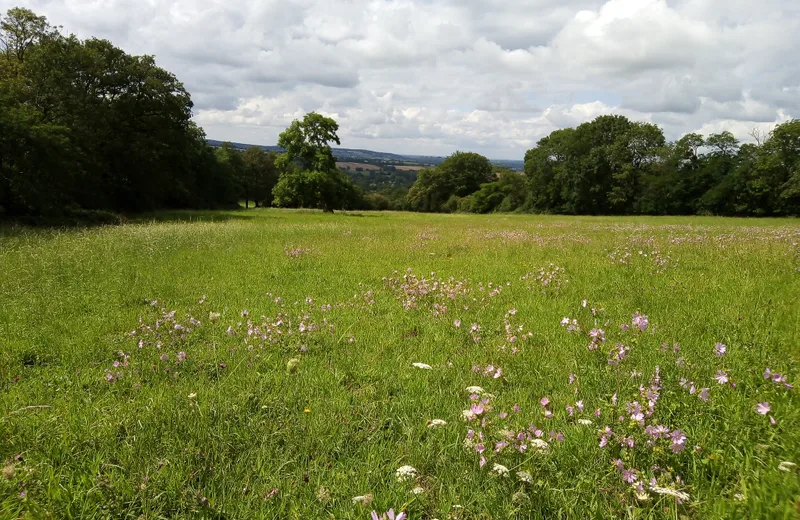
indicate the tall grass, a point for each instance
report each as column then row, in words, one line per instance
column 282, row 385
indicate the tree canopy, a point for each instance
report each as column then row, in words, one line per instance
column 310, row 178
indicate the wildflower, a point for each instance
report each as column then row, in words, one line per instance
column 468, row 415
column 477, row 408
column 703, row 395
column 721, row 377
column 500, row 470
column 417, row 490
column 763, row 408
column 640, row 321
column 457, row 323
column 678, row 441
column 540, row 444
column 435, row 423
column 364, row 500
column 404, row 473
column 720, row 349
column 787, row 466
column 475, row 390
column 307, row 410
column 629, row 476
column 181, row 357
column 585, row 422
column 544, row 401
column 422, row 366
column 515, row 408
column 524, row 476
column 680, row 495
column 571, row 378
column 323, row 495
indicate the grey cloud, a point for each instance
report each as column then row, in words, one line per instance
column 432, row 77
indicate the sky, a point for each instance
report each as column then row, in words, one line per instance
column 435, row 76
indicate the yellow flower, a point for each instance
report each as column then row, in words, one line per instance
column 307, row 410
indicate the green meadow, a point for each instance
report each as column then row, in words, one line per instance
column 260, row 364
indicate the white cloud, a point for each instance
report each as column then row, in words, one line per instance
column 432, row 77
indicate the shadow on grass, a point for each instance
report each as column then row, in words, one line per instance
column 93, row 219
column 197, row 216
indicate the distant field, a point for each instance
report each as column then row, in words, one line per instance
column 261, row 364
column 353, row 166
column 410, row 168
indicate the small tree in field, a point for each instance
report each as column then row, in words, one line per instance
column 310, row 178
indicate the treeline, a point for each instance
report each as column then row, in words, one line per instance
column 85, row 126
column 87, row 129
column 614, row 166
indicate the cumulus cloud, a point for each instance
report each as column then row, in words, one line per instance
column 414, row 76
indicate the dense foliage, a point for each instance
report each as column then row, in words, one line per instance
column 85, row 126
column 310, row 178
column 614, row 166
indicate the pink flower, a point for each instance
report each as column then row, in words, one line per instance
column 629, row 476
column 721, row 377
column 516, row 408
column 457, row 323
column 763, row 408
column 181, row 357
column 640, row 321
column 720, row 349
column 544, row 401
column 704, row 394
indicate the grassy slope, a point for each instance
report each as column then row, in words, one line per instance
column 141, row 446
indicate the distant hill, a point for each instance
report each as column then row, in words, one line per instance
column 369, row 156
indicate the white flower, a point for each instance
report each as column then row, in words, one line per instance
column 213, row 316
column 404, row 473
column 640, row 495
column 540, row 444
column 468, row 415
column 669, row 492
column 366, row 500
column 738, row 497
column 500, row 470
column 475, row 390
column 422, row 366
column 435, row 423
column 585, row 422
column 417, row 490
column 787, row 466
column 524, row 476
